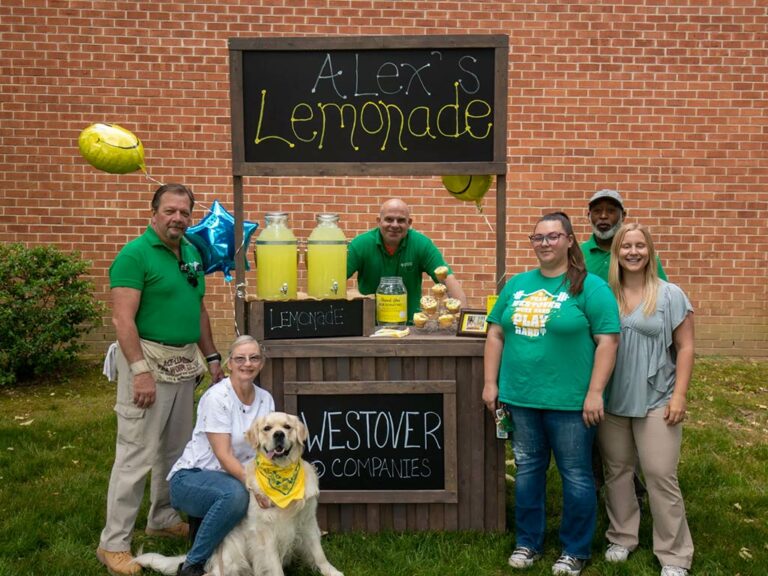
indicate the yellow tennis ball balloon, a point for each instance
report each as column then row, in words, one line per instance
column 467, row 188
column 111, row 148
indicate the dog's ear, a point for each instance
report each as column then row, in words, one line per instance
column 302, row 432
column 252, row 434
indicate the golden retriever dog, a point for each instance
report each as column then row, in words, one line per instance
column 270, row 537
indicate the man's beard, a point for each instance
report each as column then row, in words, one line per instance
column 608, row 234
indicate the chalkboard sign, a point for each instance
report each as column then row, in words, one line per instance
column 312, row 318
column 302, row 105
column 376, row 442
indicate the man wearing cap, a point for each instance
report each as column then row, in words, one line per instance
column 606, row 214
column 394, row 249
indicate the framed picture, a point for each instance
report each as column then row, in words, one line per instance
column 472, row 323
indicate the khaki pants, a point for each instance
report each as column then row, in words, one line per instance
column 148, row 440
column 658, row 448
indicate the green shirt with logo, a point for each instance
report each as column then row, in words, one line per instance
column 415, row 255
column 548, row 353
column 169, row 310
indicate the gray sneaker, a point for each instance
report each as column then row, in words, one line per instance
column 523, row 557
column 568, row 565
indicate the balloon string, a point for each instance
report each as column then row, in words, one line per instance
column 150, row 178
column 480, row 211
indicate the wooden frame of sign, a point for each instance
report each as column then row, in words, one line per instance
column 291, row 97
column 374, row 457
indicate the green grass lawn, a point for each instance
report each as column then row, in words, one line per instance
column 57, row 443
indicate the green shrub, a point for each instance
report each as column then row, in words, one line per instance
column 45, row 307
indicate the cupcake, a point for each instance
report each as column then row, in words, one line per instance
column 453, row 305
column 439, row 291
column 446, row 320
column 441, row 273
column 428, row 304
column 420, row 319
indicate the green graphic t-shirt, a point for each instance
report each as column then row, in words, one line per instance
column 548, row 346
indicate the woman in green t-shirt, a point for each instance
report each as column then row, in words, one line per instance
column 550, row 350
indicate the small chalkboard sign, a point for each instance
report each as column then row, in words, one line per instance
column 379, row 441
column 312, row 318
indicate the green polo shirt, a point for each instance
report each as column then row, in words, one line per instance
column 415, row 255
column 169, row 310
column 598, row 260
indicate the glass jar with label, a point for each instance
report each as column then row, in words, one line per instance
column 391, row 302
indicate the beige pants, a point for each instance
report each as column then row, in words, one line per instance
column 658, row 448
column 148, row 440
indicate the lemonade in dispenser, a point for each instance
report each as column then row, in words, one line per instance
column 327, row 259
column 276, row 259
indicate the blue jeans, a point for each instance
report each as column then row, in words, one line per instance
column 219, row 499
column 537, row 433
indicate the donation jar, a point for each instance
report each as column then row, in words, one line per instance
column 276, row 259
column 327, row 259
column 391, row 302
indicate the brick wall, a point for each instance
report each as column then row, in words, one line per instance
column 665, row 101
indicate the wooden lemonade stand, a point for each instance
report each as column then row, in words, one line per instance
column 398, row 431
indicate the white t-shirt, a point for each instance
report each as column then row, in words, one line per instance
column 221, row 411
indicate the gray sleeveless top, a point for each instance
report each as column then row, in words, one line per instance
column 644, row 377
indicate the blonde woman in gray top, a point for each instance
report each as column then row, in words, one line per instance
column 645, row 404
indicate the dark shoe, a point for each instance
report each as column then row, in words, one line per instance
column 191, row 570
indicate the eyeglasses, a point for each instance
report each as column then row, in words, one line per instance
column 552, row 238
column 240, row 360
column 191, row 270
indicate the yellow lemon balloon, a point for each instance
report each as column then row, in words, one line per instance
column 468, row 188
column 111, row 148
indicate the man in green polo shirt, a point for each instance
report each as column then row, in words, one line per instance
column 395, row 249
column 160, row 319
column 606, row 214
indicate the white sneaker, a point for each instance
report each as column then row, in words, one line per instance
column 616, row 553
column 670, row 570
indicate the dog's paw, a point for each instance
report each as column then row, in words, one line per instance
column 329, row 570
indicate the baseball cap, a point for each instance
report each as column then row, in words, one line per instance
column 607, row 193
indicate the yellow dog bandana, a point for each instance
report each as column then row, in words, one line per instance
column 281, row 484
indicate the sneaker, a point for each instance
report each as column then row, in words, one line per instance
column 180, row 530
column 118, row 563
column 568, row 565
column 523, row 557
column 670, row 570
column 616, row 553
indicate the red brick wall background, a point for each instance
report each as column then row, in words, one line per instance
column 665, row 101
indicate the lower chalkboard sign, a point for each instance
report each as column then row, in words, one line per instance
column 375, row 441
column 312, row 318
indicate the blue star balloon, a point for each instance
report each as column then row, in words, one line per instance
column 214, row 238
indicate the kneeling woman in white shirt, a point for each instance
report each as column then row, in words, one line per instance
column 208, row 480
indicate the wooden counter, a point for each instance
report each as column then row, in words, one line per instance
column 416, row 398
